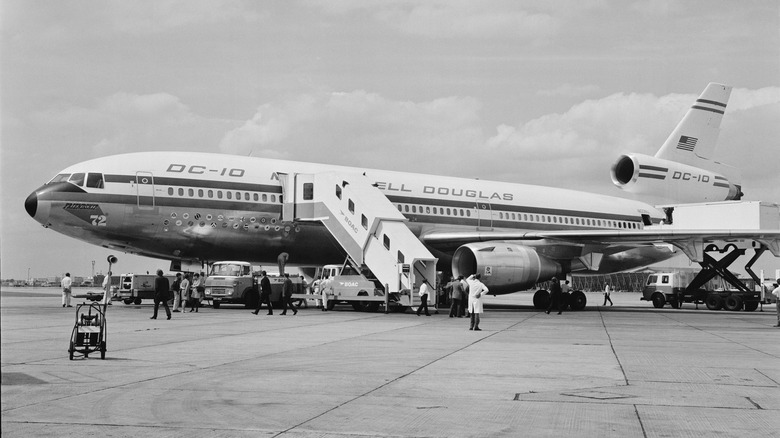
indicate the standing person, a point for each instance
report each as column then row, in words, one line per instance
column 195, row 294
column 265, row 294
column 287, row 291
column 607, row 290
column 465, row 288
column 66, row 284
column 162, row 289
column 197, row 287
column 176, row 288
column 476, row 290
column 424, row 292
column 776, row 293
column 555, row 296
column 185, row 291
column 456, row 288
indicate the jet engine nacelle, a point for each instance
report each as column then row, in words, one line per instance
column 505, row 267
column 671, row 182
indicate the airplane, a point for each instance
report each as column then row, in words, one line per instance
column 202, row 207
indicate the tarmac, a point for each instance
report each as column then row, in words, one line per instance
column 627, row 370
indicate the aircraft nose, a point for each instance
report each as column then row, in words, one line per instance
column 31, row 204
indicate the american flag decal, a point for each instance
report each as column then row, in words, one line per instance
column 687, row 143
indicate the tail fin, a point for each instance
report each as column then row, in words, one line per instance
column 694, row 139
column 683, row 170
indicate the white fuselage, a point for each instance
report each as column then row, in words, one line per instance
column 207, row 207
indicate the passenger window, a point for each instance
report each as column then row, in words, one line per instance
column 219, row 194
column 200, row 193
column 414, row 209
column 95, row 180
column 211, row 193
column 77, row 178
column 351, row 206
column 229, row 195
column 190, row 192
column 427, row 210
column 364, row 221
column 308, row 191
column 238, row 195
column 255, row 197
column 181, row 191
column 265, row 197
column 170, row 191
column 273, row 198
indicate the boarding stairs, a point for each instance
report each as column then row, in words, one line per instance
column 367, row 226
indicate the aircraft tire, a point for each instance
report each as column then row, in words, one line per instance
column 733, row 303
column 658, row 300
column 541, row 299
column 714, row 301
column 578, row 300
column 750, row 306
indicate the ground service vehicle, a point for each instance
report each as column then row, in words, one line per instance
column 667, row 287
column 343, row 283
column 136, row 287
column 234, row 282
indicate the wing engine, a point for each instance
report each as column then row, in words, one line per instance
column 505, row 267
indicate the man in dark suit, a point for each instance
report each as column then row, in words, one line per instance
column 287, row 291
column 162, row 289
column 265, row 294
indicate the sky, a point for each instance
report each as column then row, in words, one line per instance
column 537, row 92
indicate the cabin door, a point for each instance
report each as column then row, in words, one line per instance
column 144, row 184
column 484, row 216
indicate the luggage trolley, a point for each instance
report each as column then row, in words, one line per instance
column 89, row 333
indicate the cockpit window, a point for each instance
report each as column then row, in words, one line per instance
column 95, row 180
column 60, row 178
column 77, row 178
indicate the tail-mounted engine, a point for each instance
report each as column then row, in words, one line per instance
column 671, row 182
column 505, row 267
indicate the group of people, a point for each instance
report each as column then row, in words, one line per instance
column 467, row 291
column 265, row 295
column 183, row 291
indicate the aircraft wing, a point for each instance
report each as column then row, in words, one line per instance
column 691, row 241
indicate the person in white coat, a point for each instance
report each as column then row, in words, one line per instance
column 425, row 291
column 66, row 284
column 476, row 290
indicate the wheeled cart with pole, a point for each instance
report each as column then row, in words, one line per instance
column 89, row 333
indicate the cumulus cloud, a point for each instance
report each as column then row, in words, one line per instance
column 360, row 128
column 126, row 121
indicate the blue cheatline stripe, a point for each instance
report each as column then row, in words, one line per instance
column 208, row 184
column 651, row 175
column 704, row 108
column 711, row 102
column 659, row 169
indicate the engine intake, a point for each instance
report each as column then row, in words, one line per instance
column 505, row 267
